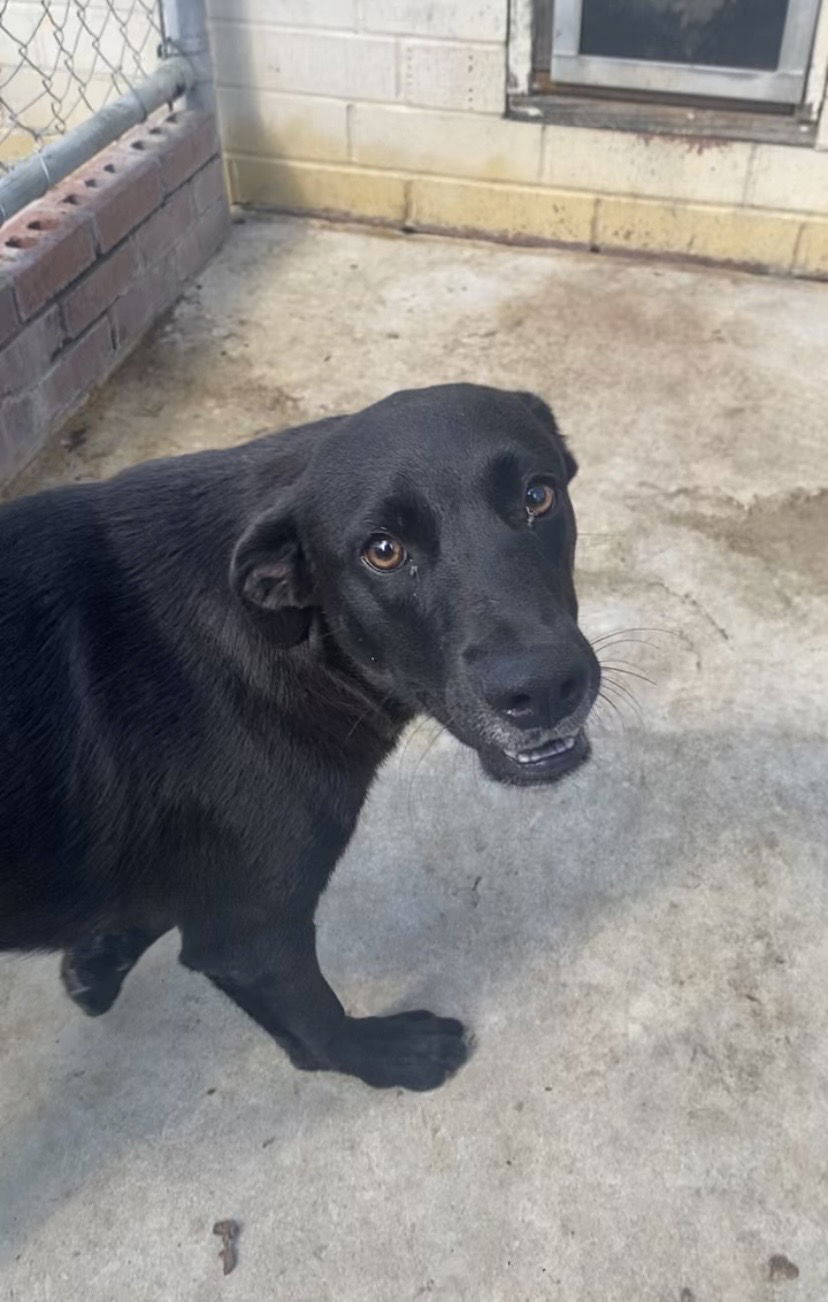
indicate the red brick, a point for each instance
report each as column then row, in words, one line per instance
column 208, row 185
column 29, row 355
column 78, row 368
column 9, row 320
column 126, row 188
column 157, row 235
column 182, row 143
column 215, row 226
column 22, row 432
column 85, row 301
column 155, row 291
column 44, row 248
column 188, row 253
column 191, row 141
column 203, row 239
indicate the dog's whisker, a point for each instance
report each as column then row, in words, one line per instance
column 437, row 734
column 627, row 664
column 614, row 723
column 627, row 641
column 420, row 722
column 627, row 696
column 374, row 708
column 632, row 673
column 612, row 705
column 668, row 632
column 425, row 725
column 623, row 700
column 597, row 717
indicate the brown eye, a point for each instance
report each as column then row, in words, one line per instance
column 382, row 552
column 540, row 497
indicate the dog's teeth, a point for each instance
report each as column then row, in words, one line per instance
column 555, row 747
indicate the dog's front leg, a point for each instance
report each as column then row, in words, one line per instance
column 273, row 974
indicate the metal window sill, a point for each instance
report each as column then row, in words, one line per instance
column 654, row 117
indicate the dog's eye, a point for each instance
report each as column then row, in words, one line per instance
column 539, row 498
column 382, row 552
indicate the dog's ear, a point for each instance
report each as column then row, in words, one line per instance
column 538, row 408
column 270, row 576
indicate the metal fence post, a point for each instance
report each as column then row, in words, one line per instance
column 185, row 31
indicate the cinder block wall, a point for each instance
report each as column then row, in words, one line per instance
column 86, row 271
column 391, row 110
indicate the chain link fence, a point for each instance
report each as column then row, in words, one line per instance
column 76, row 74
column 63, row 60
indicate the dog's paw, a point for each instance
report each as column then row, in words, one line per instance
column 415, row 1051
column 93, row 971
column 93, row 991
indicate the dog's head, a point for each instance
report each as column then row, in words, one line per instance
column 433, row 537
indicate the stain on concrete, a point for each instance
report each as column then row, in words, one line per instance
column 786, row 531
column 781, row 1268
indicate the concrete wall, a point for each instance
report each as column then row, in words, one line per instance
column 392, row 110
column 86, row 271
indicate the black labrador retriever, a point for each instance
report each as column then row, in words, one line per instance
column 204, row 660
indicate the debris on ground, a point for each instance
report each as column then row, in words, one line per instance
column 228, row 1232
column 779, row 1267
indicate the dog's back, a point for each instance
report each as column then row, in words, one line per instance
column 93, row 695
column 123, row 723
column 42, row 594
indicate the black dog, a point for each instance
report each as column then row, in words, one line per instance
column 204, row 660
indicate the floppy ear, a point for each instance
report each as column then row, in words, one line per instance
column 269, row 575
column 543, row 413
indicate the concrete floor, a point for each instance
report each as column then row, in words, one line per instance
column 643, row 952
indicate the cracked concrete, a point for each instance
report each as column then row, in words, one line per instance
column 642, row 952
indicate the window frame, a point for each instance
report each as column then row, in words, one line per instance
column 533, row 97
column 784, row 85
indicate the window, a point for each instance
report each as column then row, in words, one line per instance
column 747, row 50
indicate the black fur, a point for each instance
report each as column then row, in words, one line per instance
column 200, row 675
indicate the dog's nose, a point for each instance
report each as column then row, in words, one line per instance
column 531, row 694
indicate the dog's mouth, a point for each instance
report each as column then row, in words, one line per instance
column 546, row 762
column 548, row 752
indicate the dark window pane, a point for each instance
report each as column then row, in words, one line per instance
column 719, row 33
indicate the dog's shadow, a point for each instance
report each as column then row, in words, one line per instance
column 454, row 895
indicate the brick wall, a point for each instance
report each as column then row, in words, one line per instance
column 392, row 110
column 85, row 271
